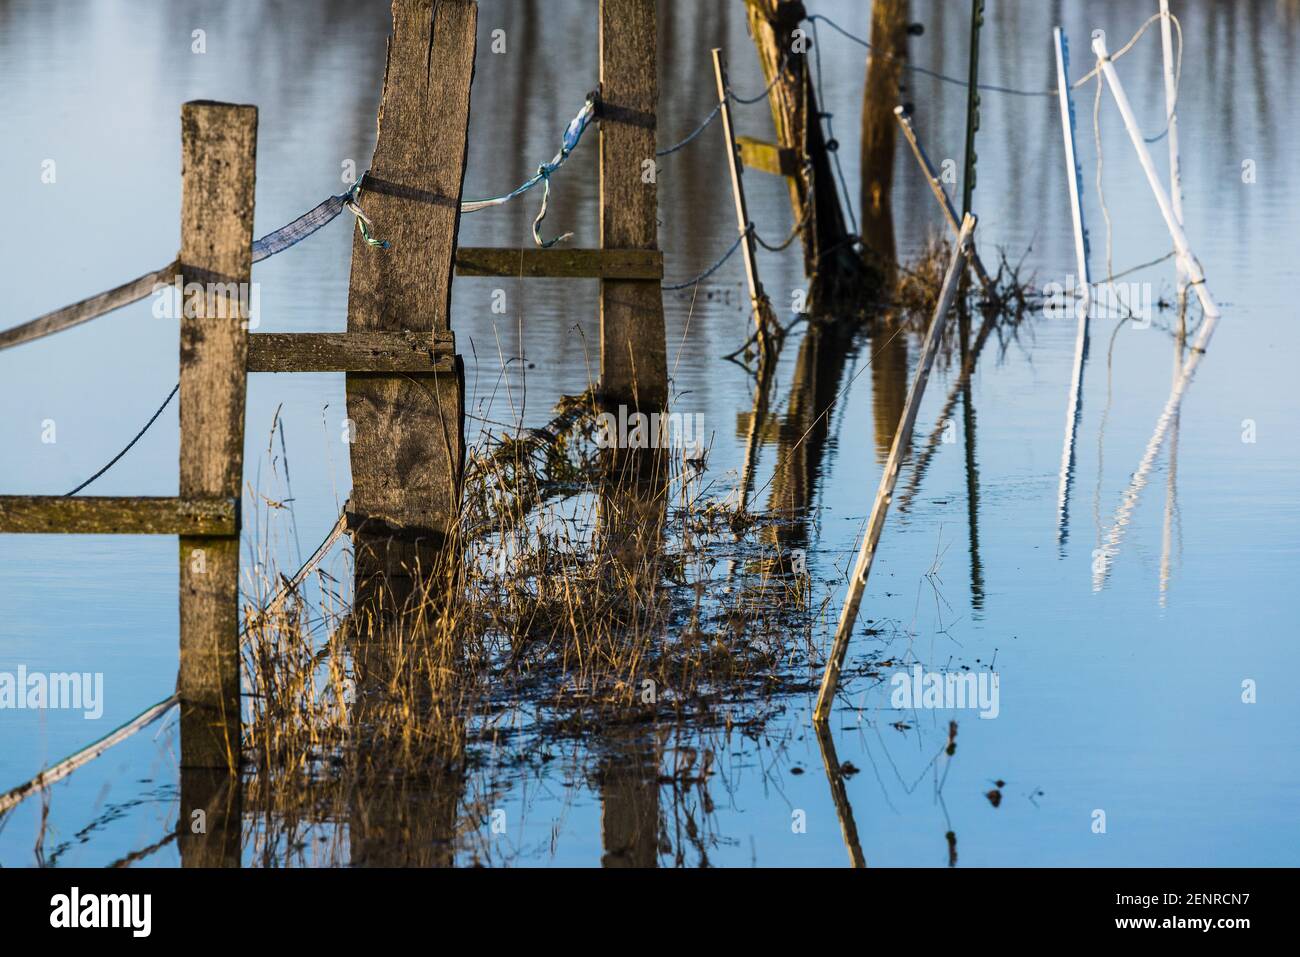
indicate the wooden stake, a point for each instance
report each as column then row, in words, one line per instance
column 902, row 437
column 633, row 350
column 1084, row 281
column 758, row 301
column 936, row 187
column 1073, row 177
column 218, row 173
column 1195, row 276
column 972, row 104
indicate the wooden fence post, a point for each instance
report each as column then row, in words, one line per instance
column 764, row 318
column 972, row 105
column 218, row 172
column 839, row 274
column 407, row 431
column 633, row 350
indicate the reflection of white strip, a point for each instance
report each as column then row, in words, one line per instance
column 1084, row 282
column 1194, row 274
column 1171, row 503
column 1101, row 568
column 85, row 755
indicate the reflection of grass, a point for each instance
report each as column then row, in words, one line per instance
column 585, row 606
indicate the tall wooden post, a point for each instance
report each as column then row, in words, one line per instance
column 218, row 154
column 633, row 351
column 839, row 275
column 407, row 431
column 764, row 318
column 972, row 104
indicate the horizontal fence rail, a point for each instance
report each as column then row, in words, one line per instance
column 100, row 515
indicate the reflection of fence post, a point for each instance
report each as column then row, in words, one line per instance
column 1195, row 275
column 889, row 477
column 758, row 301
column 218, row 151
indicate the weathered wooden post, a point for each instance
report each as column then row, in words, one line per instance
column 218, row 155
column 839, row 274
column 407, row 430
column 759, row 304
column 633, row 351
column 972, row 105
column 218, row 175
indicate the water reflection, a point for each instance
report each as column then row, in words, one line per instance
column 802, row 437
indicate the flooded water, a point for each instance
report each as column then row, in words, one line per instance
column 1121, row 695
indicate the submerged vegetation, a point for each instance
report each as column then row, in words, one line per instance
column 627, row 602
